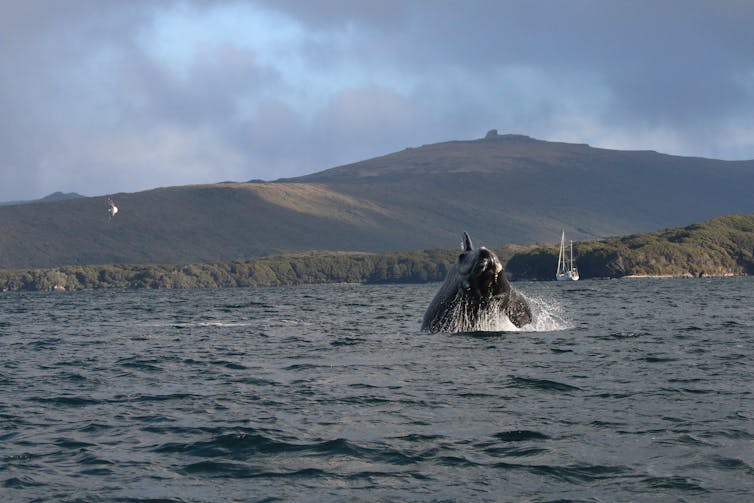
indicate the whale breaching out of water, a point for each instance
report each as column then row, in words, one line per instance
column 475, row 293
column 111, row 208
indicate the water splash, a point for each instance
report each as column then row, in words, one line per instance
column 547, row 316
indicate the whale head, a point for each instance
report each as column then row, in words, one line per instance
column 480, row 270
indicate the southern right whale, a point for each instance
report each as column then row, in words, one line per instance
column 474, row 288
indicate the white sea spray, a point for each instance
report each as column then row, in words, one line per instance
column 547, row 316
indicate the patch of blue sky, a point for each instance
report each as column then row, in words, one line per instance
column 177, row 34
column 312, row 67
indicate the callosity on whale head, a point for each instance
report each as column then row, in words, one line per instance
column 474, row 290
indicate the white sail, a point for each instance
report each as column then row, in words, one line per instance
column 561, row 265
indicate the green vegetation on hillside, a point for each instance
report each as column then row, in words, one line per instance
column 723, row 246
column 316, row 267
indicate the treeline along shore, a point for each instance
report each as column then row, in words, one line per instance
column 289, row 269
column 723, row 246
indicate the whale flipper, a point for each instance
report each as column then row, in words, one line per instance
column 518, row 310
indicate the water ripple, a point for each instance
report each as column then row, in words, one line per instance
column 623, row 391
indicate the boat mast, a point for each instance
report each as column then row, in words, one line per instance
column 561, row 258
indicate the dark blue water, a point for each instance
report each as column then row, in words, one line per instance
column 635, row 390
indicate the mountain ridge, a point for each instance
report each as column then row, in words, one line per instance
column 501, row 189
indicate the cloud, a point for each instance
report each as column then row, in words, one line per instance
column 102, row 97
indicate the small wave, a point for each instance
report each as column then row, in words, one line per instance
column 544, row 384
column 692, row 391
column 232, row 306
column 68, row 401
column 229, row 444
column 302, row 366
column 240, row 470
column 623, row 335
column 580, row 472
column 241, row 446
column 612, row 425
column 222, row 469
column 691, row 328
column 457, row 461
column 575, row 474
column 223, row 324
column 99, row 472
column 211, row 324
column 229, row 365
column 94, row 427
column 383, row 454
column 733, row 434
column 49, row 343
column 515, row 452
column 733, row 464
column 256, row 381
column 418, row 437
column 682, row 483
column 139, row 363
column 74, row 377
column 732, row 323
column 520, row 435
column 347, row 341
column 152, row 499
column 90, row 459
column 657, row 359
column 614, row 395
column 21, row 482
column 163, row 398
column 70, row 443
column 683, row 440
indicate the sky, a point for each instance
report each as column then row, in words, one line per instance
column 107, row 96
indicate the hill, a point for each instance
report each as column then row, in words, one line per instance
column 501, row 189
column 55, row 196
column 722, row 246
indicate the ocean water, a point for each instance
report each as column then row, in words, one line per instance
column 633, row 390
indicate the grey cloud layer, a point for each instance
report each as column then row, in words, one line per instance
column 87, row 108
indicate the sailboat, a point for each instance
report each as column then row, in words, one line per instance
column 566, row 268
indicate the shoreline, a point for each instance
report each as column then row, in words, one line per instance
column 687, row 275
column 62, row 289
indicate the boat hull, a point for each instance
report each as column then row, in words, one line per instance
column 567, row 277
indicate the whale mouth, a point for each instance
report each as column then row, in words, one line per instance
column 488, row 264
column 486, row 275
